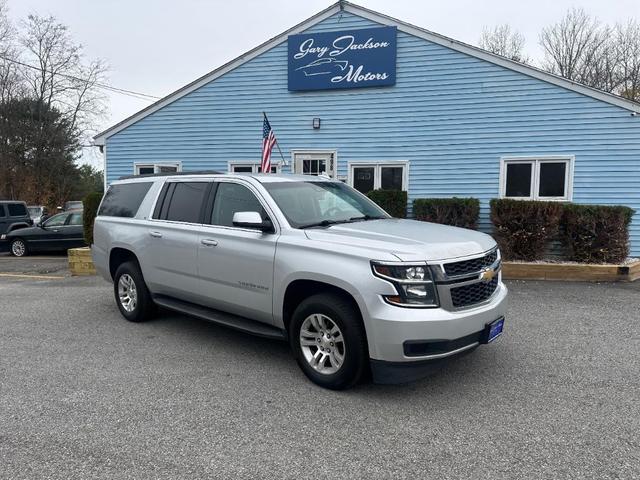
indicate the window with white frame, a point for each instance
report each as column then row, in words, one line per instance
column 251, row 167
column 160, row 167
column 365, row 177
column 537, row 178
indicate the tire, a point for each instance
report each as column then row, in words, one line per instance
column 19, row 248
column 129, row 282
column 328, row 312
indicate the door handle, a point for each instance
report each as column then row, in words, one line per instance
column 155, row 234
column 209, row 242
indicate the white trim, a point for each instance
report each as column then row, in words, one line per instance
column 104, row 169
column 535, row 161
column 301, row 151
column 377, row 176
column 156, row 165
column 254, row 165
column 100, row 138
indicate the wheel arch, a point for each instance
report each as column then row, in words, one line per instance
column 118, row 256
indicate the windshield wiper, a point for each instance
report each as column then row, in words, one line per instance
column 328, row 223
column 364, row 218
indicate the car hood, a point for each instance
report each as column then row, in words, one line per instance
column 23, row 232
column 409, row 240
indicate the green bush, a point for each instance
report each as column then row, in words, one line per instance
column 394, row 202
column 90, row 203
column 459, row 212
column 523, row 228
column 596, row 233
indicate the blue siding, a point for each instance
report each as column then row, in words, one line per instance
column 450, row 115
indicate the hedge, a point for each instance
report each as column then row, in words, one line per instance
column 90, row 204
column 394, row 202
column 459, row 212
column 596, row 233
column 523, row 228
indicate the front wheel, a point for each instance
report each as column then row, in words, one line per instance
column 328, row 341
column 19, row 247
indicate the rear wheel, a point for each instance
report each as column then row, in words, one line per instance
column 328, row 341
column 19, row 247
column 132, row 295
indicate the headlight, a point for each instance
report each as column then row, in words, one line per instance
column 413, row 283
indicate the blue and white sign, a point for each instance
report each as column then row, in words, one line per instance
column 345, row 59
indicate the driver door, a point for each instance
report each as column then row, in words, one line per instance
column 235, row 265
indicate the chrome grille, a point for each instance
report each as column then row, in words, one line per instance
column 478, row 292
column 471, row 266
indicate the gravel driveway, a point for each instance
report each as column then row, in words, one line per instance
column 85, row 394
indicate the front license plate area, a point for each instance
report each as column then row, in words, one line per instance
column 493, row 330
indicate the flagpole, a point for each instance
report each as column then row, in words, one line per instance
column 284, row 162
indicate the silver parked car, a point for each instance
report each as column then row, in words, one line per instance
column 305, row 259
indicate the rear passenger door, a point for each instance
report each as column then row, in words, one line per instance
column 73, row 231
column 236, row 264
column 171, row 250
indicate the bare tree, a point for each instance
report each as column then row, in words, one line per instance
column 627, row 44
column 10, row 80
column 578, row 48
column 502, row 40
column 62, row 79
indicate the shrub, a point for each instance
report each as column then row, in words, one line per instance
column 596, row 233
column 394, row 202
column 459, row 212
column 91, row 203
column 523, row 228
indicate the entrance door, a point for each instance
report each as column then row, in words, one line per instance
column 315, row 163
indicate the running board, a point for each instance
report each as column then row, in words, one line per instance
column 222, row 318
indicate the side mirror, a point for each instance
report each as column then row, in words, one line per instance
column 251, row 220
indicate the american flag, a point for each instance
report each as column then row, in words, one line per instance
column 268, row 141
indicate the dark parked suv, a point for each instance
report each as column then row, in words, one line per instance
column 13, row 215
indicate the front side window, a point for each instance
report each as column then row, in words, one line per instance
column 307, row 204
column 386, row 176
column 57, row 220
column 123, row 200
column 537, row 179
column 186, row 201
column 17, row 210
column 232, row 198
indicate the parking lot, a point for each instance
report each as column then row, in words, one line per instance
column 85, row 394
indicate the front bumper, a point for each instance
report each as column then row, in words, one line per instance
column 390, row 328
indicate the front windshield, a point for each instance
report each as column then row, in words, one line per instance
column 307, row 204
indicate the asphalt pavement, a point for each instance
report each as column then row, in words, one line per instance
column 85, row 394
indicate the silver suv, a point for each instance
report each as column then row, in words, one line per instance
column 304, row 259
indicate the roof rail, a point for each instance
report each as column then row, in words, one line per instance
column 171, row 174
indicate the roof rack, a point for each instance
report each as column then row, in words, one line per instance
column 171, row 174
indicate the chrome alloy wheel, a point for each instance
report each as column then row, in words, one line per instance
column 322, row 343
column 127, row 293
column 18, row 248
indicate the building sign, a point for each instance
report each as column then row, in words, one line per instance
column 345, row 59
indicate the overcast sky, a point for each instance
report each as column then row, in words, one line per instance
column 156, row 46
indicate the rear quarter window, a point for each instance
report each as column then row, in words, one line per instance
column 123, row 200
column 17, row 210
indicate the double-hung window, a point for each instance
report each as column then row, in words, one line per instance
column 250, row 167
column 537, row 178
column 365, row 177
column 158, row 167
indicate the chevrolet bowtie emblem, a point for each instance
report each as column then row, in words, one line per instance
column 487, row 274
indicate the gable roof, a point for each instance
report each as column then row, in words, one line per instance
column 380, row 18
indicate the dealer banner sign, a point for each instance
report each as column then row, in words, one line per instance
column 345, row 59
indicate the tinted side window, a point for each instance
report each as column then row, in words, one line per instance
column 232, row 198
column 124, row 200
column 2, row 214
column 186, row 202
column 17, row 210
column 57, row 220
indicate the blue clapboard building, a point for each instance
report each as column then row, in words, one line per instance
column 380, row 103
